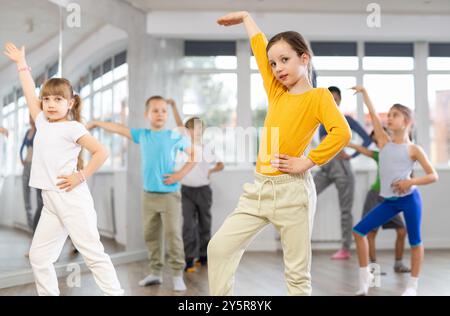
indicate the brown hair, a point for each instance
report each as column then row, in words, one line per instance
column 153, row 98
column 298, row 44
column 190, row 124
column 62, row 87
column 407, row 114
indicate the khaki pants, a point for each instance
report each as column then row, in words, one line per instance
column 286, row 201
column 162, row 219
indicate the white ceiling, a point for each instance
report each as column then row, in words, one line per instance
column 330, row 6
column 33, row 22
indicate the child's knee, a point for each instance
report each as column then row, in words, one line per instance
column 217, row 247
column 357, row 235
column 37, row 258
column 401, row 233
column 371, row 236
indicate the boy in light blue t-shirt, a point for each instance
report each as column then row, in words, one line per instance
column 161, row 204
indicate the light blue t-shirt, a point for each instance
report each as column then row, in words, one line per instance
column 158, row 155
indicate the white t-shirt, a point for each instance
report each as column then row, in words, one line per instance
column 55, row 152
column 198, row 176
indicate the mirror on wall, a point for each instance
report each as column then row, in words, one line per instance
column 53, row 49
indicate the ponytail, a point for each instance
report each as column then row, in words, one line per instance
column 75, row 112
column 76, row 108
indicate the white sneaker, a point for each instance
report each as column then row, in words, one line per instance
column 365, row 280
column 362, row 292
column 150, row 280
column 410, row 291
column 178, row 284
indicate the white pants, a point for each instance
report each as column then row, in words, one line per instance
column 70, row 214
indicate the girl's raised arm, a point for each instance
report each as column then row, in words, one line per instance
column 28, row 85
column 239, row 17
column 380, row 133
column 259, row 46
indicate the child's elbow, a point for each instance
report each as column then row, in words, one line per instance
column 435, row 177
column 104, row 153
column 346, row 136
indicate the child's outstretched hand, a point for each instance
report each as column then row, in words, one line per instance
column 358, row 89
column 15, row 54
column 232, row 18
column 91, row 125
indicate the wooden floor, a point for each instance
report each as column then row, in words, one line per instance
column 15, row 243
column 261, row 273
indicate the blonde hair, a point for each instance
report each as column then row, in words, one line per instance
column 61, row 87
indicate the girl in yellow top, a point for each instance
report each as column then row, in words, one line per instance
column 283, row 192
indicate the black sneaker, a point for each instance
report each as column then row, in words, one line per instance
column 190, row 267
column 203, row 261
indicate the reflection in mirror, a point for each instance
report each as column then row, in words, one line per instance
column 50, row 44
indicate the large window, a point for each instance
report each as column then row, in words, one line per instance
column 336, row 64
column 438, row 64
column 210, row 84
column 348, row 103
column 210, row 62
column 387, row 89
column 259, row 100
column 439, row 100
column 211, row 96
column 104, row 91
column 388, row 76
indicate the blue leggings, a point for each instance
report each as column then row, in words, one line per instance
column 411, row 205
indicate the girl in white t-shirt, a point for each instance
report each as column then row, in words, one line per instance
column 196, row 193
column 58, row 171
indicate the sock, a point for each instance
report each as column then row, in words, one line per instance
column 411, row 289
column 364, row 281
column 178, row 284
column 413, row 282
column 398, row 263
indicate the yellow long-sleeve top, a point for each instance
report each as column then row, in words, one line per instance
column 292, row 119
